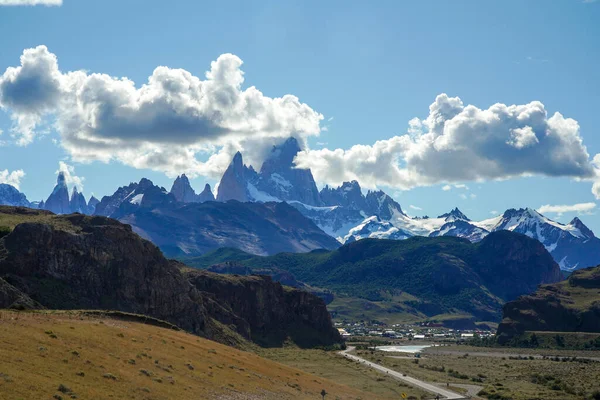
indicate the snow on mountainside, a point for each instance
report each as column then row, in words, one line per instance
column 10, row 196
column 347, row 214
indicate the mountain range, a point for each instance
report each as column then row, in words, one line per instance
column 344, row 213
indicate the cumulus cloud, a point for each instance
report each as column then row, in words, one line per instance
column 580, row 208
column 70, row 177
column 163, row 124
column 415, row 208
column 31, row 2
column 445, row 188
column 462, row 143
column 12, row 178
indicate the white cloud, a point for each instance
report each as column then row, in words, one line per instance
column 456, row 186
column 522, row 137
column 12, row 178
column 494, row 212
column 70, row 177
column 463, row 196
column 31, row 2
column 472, row 195
column 162, row 125
column 580, row 208
column 462, row 143
column 415, row 208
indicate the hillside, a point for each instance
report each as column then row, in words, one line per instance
column 95, row 357
column 81, row 262
column 441, row 275
column 572, row 305
column 257, row 228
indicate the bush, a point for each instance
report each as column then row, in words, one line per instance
column 4, row 230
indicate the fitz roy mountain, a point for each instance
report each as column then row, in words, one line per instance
column 348, row 215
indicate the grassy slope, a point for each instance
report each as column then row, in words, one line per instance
column 10, row 217
column 41, row 351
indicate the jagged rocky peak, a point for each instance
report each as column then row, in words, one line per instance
column 234, row 183
column 281, row 156
column 10, row 196
column 183, row 191
column 279, row 177
column 206, row 194
column 92, row 204
column 349, row 194
column 380, row 203
column 78, row 202
column 585, row 231
column 454, row 215
column 129, row 198
column 58, row 201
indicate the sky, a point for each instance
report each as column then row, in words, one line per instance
column 483, row 106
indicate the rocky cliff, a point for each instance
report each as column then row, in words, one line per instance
column 269, row 312
column 81, row 262
column 572, row 305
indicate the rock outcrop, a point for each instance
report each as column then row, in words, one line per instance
column 78, row 203
column 82, row 262
column 572, row 305
column 206, row 194
column 270, row 313
column 234, row 183
column 183, row 192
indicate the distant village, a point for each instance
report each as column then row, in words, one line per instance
column 417, row 331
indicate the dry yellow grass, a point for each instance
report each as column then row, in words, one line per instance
column 101, row 358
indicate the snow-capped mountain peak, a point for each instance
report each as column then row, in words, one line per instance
column 453, row 215
column 580, row 226
column 10, row 196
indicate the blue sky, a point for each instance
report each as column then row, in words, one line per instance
column 368, row 70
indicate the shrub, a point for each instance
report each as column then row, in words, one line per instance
column 4, row 230
column 64, row 389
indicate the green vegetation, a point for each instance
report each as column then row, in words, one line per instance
column 4, row 230
column 420, row 276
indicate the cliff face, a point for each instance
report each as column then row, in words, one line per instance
column 269, row 312
column 572, row 305
column 81, row 262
